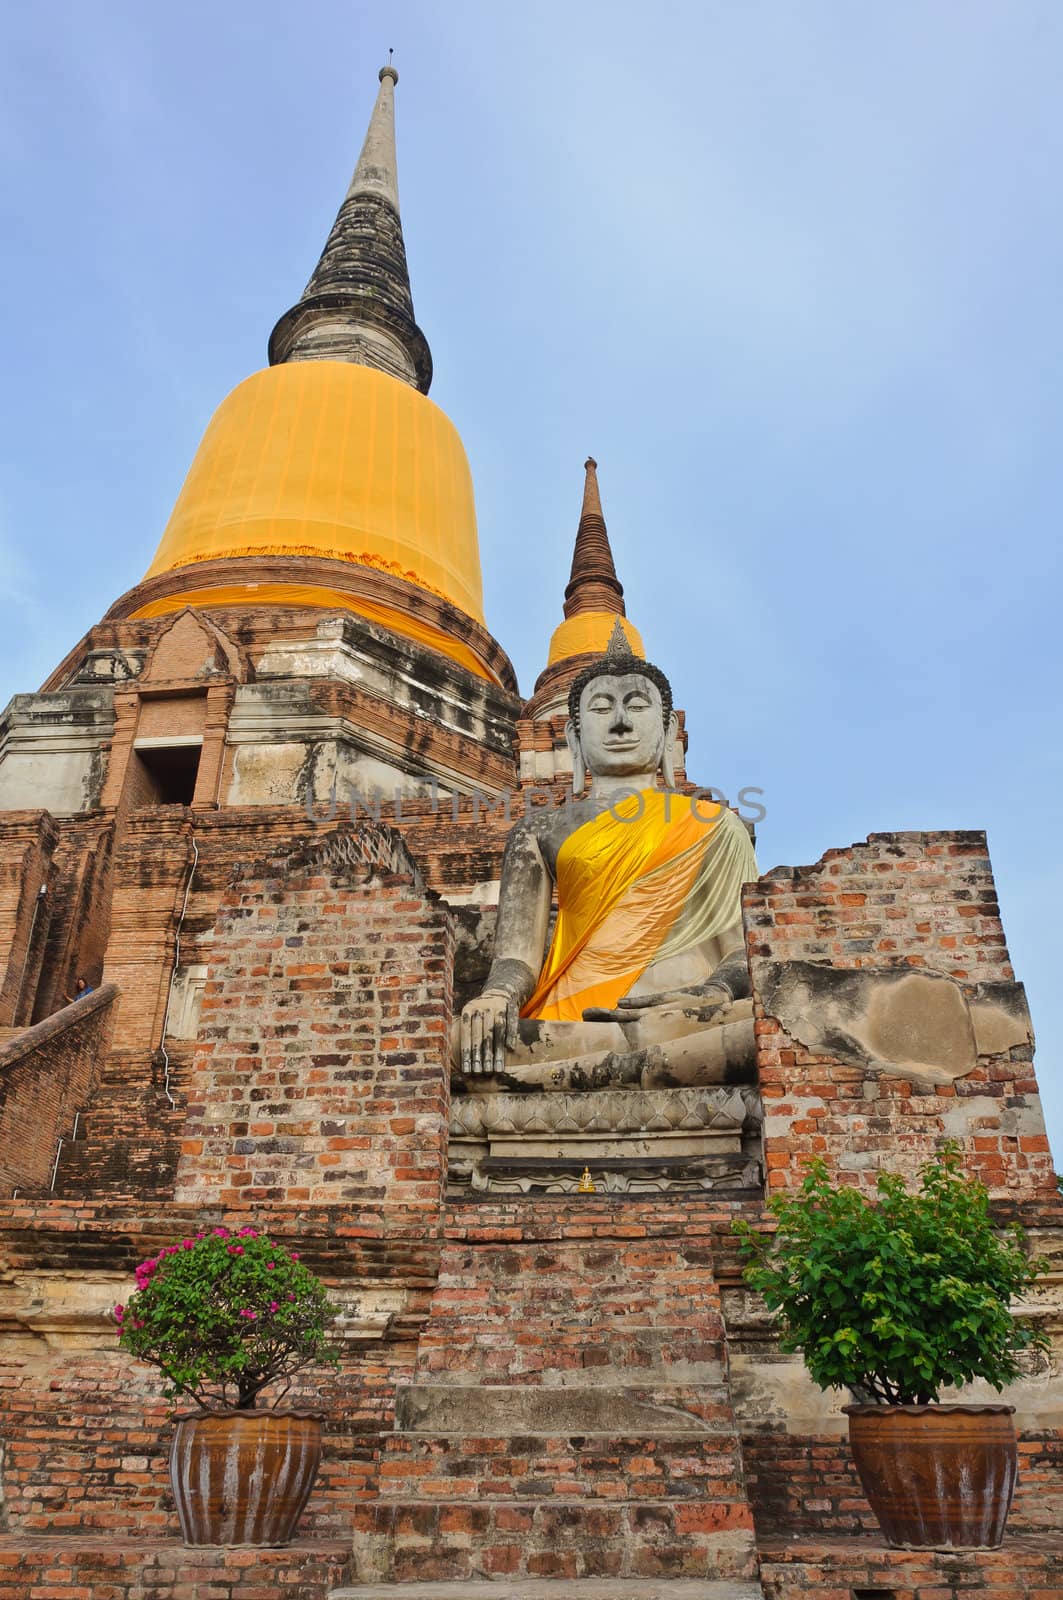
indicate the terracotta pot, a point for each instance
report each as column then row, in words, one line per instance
column 939, row 1477
column 243, row 1477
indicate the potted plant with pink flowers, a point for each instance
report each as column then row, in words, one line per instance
column 227, row 1316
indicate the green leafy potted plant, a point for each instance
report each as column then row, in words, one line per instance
column 896, row 1299
column 226, row 1316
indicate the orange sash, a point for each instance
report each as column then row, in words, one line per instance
column 625, row 882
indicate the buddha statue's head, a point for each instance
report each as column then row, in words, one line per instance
column 621, row 721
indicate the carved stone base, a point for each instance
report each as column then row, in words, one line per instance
column 730, row 1174
column 632, row 1141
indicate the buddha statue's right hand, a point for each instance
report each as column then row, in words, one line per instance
column 488, row 1029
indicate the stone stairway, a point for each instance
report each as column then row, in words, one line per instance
column 569, row 1417
column 128, row 1133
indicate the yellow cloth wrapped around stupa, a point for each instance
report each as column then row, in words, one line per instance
column 652, row 877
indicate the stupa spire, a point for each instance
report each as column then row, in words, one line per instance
column 358, row 305
column 593, row 584
column 595, row 615
column 377, row 171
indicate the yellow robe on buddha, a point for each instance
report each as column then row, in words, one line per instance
column 652, row 877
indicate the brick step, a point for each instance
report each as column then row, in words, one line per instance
column 562, row 1356
column 139, row 1569
column 106, row 1160
column 115, row 1116
column 128, row 1134
column 424, row 1540
column 141, row 1173
column 557, row 1589
column 518, row 1311
column 593, row 1467
column 503, row 1410
column 150, row 1110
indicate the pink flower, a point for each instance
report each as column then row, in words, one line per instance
column 201, row 1236
column 294, row 1255
column 221, row 1233
column 247, row 1312
column 270, row 1265
column 273, row 1305
column 236, row 1249
column 119, row 1313
column 188, row 1244
column 248, row 1233
column 291, row 1297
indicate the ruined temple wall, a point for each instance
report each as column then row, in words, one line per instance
column 873, row 1073
column 853, row 1073
column 116, row 910
column 318, row 1111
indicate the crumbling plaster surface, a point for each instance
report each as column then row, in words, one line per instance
column 53, row 750
column 919, row 1025
column 354, row 652
column 286, row 751
column 43, row 1312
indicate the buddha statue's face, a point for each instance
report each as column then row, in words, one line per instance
column 621, row 726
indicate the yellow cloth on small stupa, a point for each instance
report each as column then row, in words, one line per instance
column 652, row 877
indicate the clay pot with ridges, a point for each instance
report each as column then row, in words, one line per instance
column 938, row 1477
column 243, row 1477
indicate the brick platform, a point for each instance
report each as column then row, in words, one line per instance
column 1027, row 1568
column 140, row 1569
column 920, row 902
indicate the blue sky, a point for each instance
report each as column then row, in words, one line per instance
column 790, row 271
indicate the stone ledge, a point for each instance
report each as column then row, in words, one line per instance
column 556, row 1589
column 509, row 1411
column 25, row 1040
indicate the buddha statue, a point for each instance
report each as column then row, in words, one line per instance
column 645, row 983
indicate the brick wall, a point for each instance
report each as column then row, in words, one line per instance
column 925, row 903
column 122, row 1569
column 148, row 873
column 46, row 1075
column 322, row 1074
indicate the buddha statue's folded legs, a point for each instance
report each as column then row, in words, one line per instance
column 666, row 1047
